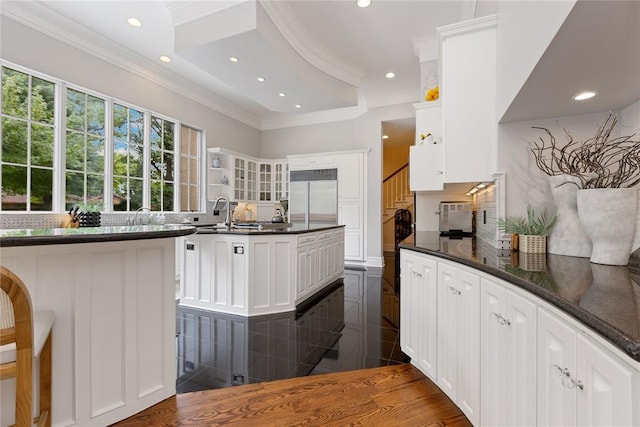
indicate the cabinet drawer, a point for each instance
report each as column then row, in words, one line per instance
column 317, row 162
column 306, row 239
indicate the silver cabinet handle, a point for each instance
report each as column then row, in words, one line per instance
column 502, row 321
column 565, row 378
column 417, row 274
column 454, row 291
column 579, row 384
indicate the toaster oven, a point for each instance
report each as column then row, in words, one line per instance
column 456, row 218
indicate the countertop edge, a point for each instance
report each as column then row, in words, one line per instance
column 22, row 241
column 606, row 331
column 270, row 232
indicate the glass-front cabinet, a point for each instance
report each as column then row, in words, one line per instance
column 280, row 180
column 239, row 179
column 252, row 181
column 265, row 182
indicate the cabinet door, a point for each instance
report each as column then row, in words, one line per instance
column 409, row 323
column 468, row 353
column 239, row 178
column 351, row 177
column 508, row 357
column 556, row 364
column 303, row 268
column 252, row 180
column 279, row 181
column 265, row 182
column 604, row 387
column 426, row 167
column 468, row 100
column 447, row 330
column 494, row 344
column 351, row 215
column 425, row 304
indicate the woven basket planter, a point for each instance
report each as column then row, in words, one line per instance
column 532, row 243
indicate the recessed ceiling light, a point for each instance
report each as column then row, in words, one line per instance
column 584, row 95
column 385, row 136
column 282, row 94
column 390, row 75
column 261, row 79
column 165, row 58
column 298, row 106
column 363, row 3
column 234, row 59
column 134, row 22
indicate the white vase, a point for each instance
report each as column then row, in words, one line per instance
column 609, row 218
column 567, row 237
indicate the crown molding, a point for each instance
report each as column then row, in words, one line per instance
column 426, row 48
column 316, row 54
column 40, row 18
column 467, row 26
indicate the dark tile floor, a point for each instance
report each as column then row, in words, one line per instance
column 353, row 325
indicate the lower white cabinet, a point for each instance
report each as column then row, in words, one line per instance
column 579, row 382
column 418, row 311
column 258, row 273
column 508, row 356
column 459, row 338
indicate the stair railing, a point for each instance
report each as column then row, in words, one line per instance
column 395, row 187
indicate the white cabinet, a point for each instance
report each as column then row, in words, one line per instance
column 312, row 161
column 265, row 181
column 468, row 96
column 508, row 357
column 458, row 337
column 426, row 157
column 280, row 180
column 252, row 181
column 352, row 173
column 579, row 382
column 307, row 262
column 418, row 307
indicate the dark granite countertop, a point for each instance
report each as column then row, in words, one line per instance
column 605, row 298
column 62, row 236
column 293, row 229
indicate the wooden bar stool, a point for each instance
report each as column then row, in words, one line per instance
column 24, row 335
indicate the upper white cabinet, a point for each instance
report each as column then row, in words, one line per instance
column 418, row 307
column 468, row 96
column 579, row 382
column 313, row 161
column 426, row 157
column 508, row 356
column 220, row 174
column 459, row 338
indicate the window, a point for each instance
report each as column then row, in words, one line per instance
column 27, row 143
column 162, row 164
column 84, row 154
column 189, row 169
column 128, row 158
column 63, row 146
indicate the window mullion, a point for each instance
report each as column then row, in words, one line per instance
column 146, row 162
column 177, row 157
column 108, row 155
column 59, row 147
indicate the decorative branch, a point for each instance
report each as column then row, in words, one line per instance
column 599, row 162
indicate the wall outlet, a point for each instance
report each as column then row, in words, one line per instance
column 504, row 243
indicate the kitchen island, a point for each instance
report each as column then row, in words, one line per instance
column 251, row 272
column 522, row 338
column 112, row 290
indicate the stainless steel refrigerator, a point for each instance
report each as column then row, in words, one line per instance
column 313, row 197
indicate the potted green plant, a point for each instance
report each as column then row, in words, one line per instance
column 529, row 234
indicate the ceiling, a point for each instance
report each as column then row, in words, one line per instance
column 330, row 57
column 323, row 55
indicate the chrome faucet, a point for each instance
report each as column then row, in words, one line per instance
column 135, row 219
column 227, row 219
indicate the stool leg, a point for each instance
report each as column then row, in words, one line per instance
column 45, row 383
column 24, row 388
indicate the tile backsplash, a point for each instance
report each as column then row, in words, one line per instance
column 486, row 215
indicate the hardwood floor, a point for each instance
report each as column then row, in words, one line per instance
column 397, row 395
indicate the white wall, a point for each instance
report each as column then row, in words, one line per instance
column 363, row 132
column 525, row 29
column 428, row 203
column 525, row 183
column 29, row 48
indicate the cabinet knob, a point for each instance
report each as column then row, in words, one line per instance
column 440, row 172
